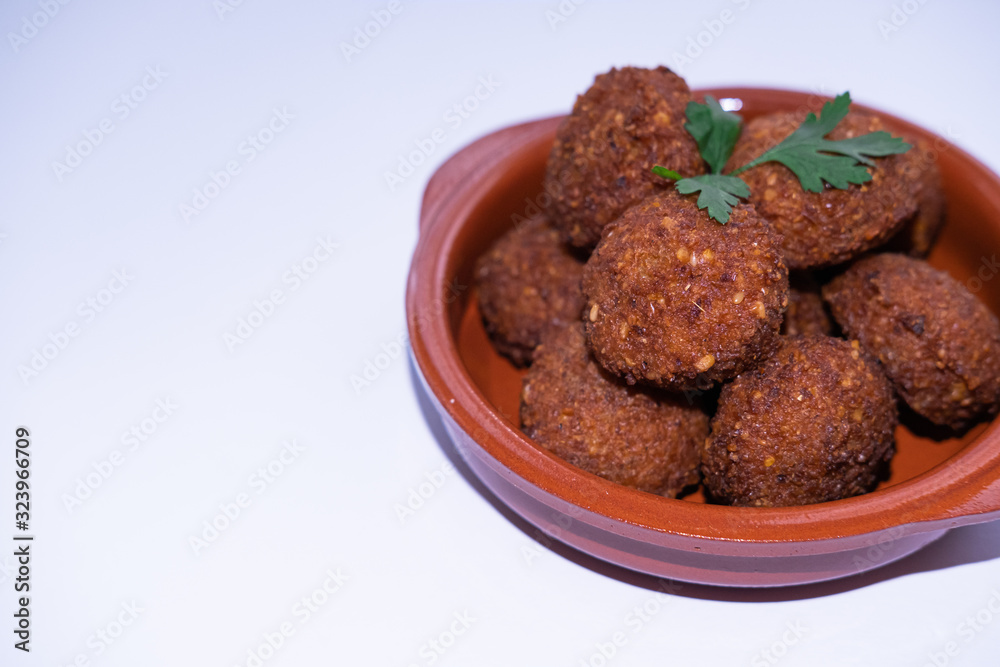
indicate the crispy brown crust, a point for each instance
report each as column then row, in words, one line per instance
column 677, row 300
column 630, row 120
column 640, row 438
column 833, row 226
column 918, row 235
column 806, row 314
column 813, row 423
column 529, row 282
column 940, row 345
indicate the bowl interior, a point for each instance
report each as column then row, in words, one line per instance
column 965, row 249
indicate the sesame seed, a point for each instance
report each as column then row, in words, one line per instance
column 704, row 363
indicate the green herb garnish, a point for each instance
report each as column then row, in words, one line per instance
column 714, row 129
column 811, row 158
column 719, row 193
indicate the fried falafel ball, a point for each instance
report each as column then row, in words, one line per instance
column 806, row 313
column 939, row 345
column 529, row 282
column 628, row 121
column 918, row 235
column 833, row 226
column 813, row 423
column 676, row 300
column 642, row 438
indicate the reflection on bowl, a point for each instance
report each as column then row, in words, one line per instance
column 935, row 483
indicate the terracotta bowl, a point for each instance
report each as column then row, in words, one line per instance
column 935, row 484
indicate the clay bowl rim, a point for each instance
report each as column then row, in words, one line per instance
column 961, row 490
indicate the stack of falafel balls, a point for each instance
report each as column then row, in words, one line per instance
column 632, row 309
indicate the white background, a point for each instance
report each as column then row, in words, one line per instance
column 363, row 452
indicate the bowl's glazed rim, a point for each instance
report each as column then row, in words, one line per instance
column 963, row 489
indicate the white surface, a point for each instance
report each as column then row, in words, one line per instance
column 333, row 506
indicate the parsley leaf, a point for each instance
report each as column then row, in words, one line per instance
column 812, row 158
column 667, row 173
column 714, row 129
column 719, row 193
column 808, row 154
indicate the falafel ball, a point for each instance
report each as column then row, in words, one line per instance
column 813, row 423
column 918, row 235
column 833, row 226
column 939, row 345
column 529, row 282
column 676, row 300
column 645, row 439
column 806, row 313
column 628, row 121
